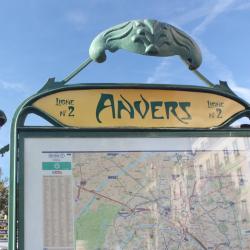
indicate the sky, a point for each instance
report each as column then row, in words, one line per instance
column 47, row 38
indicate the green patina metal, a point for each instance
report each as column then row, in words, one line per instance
column 4, row 149
column 3, row 120
column 147, row 37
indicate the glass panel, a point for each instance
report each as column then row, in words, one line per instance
column 137, row 193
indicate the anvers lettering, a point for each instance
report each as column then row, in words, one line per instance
column 142, row 108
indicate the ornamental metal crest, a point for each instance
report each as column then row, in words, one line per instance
column 147, row 37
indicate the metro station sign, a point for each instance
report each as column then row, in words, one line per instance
column 131, row 166
column 139, row 108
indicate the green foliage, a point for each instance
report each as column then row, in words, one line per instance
column 3, row 195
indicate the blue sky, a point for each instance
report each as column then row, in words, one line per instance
column 47, row 38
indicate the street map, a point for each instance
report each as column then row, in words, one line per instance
column 160, row 200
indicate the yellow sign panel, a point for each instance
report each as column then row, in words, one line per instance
column 138, row 108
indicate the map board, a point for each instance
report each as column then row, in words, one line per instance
column 145, row 192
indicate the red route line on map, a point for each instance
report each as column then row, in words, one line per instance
column 137, row 210
column 106, row 197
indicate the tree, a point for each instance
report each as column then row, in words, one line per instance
column 3, row 182
column 3, row 195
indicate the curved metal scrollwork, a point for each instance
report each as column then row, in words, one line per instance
column 147, row 37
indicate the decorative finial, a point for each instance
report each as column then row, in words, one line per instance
column 147, row 37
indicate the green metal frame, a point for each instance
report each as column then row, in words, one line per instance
column 51, row 132
column 222, row 89
column 19, row 132
column 147, row 37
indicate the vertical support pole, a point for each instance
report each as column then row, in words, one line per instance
column 12, row 190
column 12, row 211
